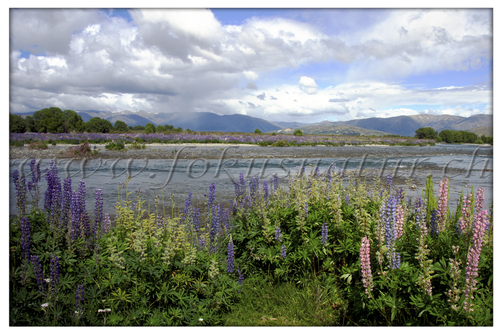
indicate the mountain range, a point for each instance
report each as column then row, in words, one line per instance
column 403, row 125
column 206, row 121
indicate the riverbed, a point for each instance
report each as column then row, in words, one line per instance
column 172, row 171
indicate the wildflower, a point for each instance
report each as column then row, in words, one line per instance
column 389, row 180
column 195, row 218
column 54, row 274
column 25, row 237
column 399, row 221
column 200, row 319
column 388, row 220
column 106, row 310
column 347, row 200
column 480, row 199
column 276, row 182
column 214, row 225
column 283, row 251
column 79, row 299
column 471, row 271
column 211, row 195
column 226, row 213
column 265, row 192
column 442, row 204
column 230, row 261
column 37, row 269
column 306, row 209
column 364, row 255
column 106, row 223
column 465, row 220
column 44, row 305
column 20, row 192
column 434, row 225
column 324, row 234
column 98, row 212
column 278, row 233
column 241, row 276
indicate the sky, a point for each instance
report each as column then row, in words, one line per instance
column 304, row 65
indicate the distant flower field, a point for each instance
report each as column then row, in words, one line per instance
column 19, row 139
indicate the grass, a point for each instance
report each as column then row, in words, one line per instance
column 265, row 303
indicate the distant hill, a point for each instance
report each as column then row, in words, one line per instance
column 482, row 130
column 329, row 129
column 404, row 125
column 129, row 119
column 285, row 125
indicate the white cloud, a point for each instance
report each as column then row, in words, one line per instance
column 308, row 85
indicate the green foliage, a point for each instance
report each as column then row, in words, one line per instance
column 54, row 120
column 139, row 127
column 30, row 124
column 120, row 126
column 318, row 302
column 257, row 131
column 452, row 136
column 426, row 133
column 149, row 128
column 98, row 125
column 72, row 122
column 16, row 124
column 280, row 143
column 486, row 139
column 160, row 128
column 115, row 145
column 298, row 132
column 49, row 120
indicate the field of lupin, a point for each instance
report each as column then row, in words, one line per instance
column 328, row 251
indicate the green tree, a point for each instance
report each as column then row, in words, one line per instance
column 30, row 124
column 298, row 132
column 257, row 131
column 160, row 128
column 139, row 127
column 131, row 127
column 49, row 120
column 16, row 124
column 426, row 133
column 98, row 125
column 72, row 121
column 149, row 128
column 120, row 126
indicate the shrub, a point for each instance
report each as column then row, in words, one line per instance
column 257, row 131
column 298, row 132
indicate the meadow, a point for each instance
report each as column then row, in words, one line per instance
column 20, row 139
column 326, row 252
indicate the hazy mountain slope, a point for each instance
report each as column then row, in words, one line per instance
column 285, row 125
column 341, row 129
column 129, row 119
column 473, row 122
column 399, row 125
column 482, row 130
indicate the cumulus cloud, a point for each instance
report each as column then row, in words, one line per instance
column 175, row 60
column 308, row 85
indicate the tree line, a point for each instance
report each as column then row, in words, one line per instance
column 55, row 120
column 452, row 136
